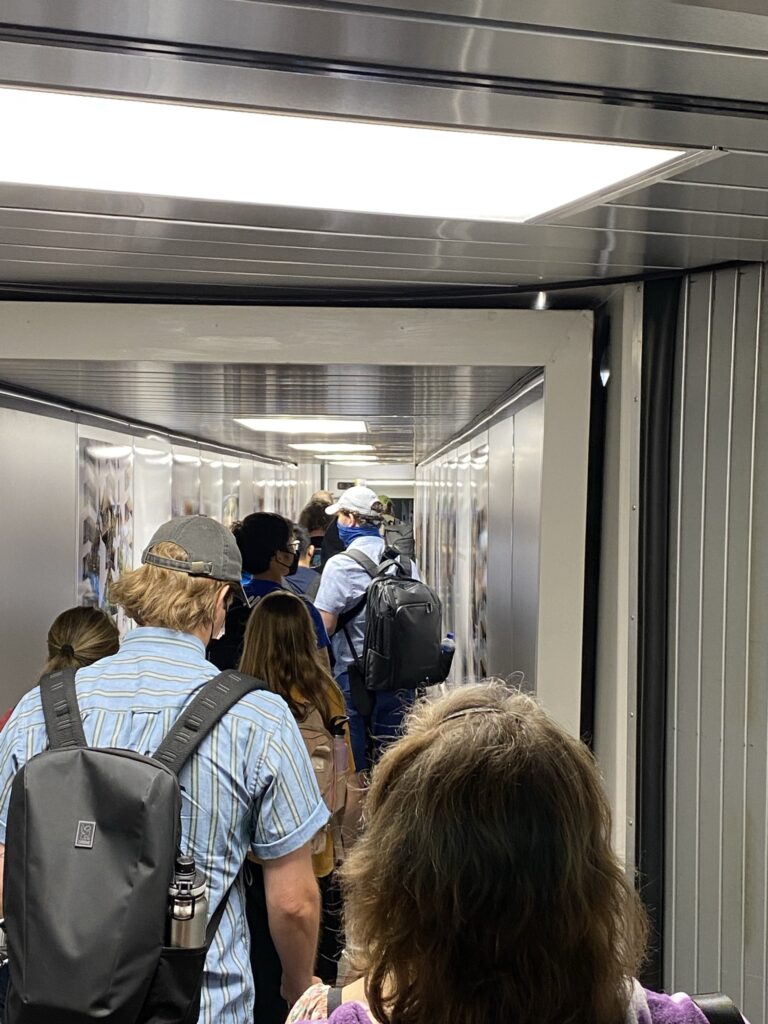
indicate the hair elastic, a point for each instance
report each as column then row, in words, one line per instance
column 476, row 710
column 68, row 650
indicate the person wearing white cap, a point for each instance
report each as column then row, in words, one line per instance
column 340, row 600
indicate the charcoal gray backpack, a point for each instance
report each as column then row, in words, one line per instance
column 403, row 632
column 91, row 841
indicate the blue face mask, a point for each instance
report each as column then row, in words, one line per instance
column 350, row 533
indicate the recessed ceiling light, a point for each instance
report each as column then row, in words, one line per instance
column 328, row 446
column 298, row 426
column 332, row 456
column 351, row 462
column 127, row 145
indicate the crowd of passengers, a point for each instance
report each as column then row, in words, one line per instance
column 469, row 875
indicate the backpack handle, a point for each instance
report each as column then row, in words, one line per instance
column 718, row 1008
column 195, row 722
column 61, row 710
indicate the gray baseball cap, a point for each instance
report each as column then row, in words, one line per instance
column 211, row 550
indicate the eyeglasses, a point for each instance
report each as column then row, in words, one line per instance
column 292, row 546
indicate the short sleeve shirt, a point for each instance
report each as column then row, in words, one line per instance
column 250, row 786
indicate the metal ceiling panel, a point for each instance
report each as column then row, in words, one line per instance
column 657, row 73
column 409, row 410
column 427, row 40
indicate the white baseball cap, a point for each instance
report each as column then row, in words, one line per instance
column 356, row 499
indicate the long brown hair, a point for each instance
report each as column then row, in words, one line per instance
column 280, row 647
column 80, row 636
column 484, row 887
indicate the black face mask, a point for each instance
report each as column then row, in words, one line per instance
column 294, row 561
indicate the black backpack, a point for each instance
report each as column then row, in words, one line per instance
column 403, row 632
column 91, row 842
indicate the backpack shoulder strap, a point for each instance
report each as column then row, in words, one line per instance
column 718, row 1008
column 61, row 710
column 196, row 721
column 363, row 561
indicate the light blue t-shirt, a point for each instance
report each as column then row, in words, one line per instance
column 342, row 585
column 249, row 786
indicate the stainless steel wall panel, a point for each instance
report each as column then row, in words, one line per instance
column 716, row 921
column 673, row 782
column 501, row 528
column 715, row 538
column 691, row 607
column 38, row 510
column 529, row 450
column 479, row 505
column 737, row 634
column 755, row 966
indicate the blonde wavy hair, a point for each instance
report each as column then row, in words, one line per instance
column 80, row 636
column 485, row 887
column 169, row 598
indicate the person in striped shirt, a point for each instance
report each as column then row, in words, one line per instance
column 250, row 786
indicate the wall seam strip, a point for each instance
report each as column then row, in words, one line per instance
column 724, row 630
column 705, row 452
column 676, row 660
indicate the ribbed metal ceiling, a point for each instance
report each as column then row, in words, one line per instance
column 682, row 75
column 674, row 74
column 409, row 410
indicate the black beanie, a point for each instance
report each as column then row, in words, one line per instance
column 259, row 536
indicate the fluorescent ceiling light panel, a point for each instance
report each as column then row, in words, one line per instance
column 350, row 462
column 332, row 456
column 135, row 146
column 298, row 426
column 328, row 446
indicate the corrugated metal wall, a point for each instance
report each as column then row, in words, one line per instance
column 716, row 914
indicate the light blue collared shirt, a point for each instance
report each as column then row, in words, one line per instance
column 249, row 786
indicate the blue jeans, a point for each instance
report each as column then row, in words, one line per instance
column 371, row 734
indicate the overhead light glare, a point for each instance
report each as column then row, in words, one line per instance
column 109, row 451
column 327, row 446
column 350, row 462
column 300, row 426
column 126, row 145
column 332, row 456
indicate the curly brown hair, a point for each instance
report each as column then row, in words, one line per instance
column 484, row 887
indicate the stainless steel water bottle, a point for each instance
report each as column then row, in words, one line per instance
column 187, row 905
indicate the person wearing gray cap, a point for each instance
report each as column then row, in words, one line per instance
column 250, row 786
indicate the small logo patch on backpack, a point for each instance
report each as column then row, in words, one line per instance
column 86, row 830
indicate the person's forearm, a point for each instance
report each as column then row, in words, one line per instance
column 330, row 619
column 294, row 928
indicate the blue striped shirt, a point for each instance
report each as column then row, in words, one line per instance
column 250, row 784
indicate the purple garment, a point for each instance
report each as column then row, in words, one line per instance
column 676, row 1009
column 645, row 1007
column 347, row 1013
